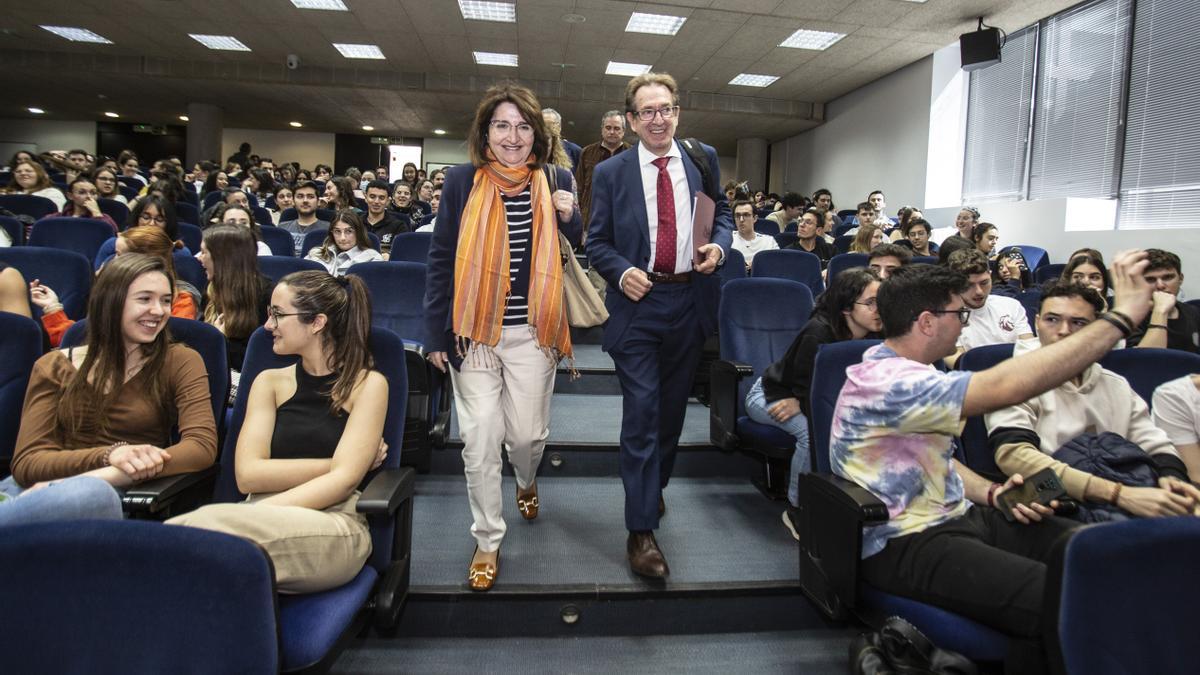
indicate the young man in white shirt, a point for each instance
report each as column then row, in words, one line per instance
column 995, row 319
column 746, row 240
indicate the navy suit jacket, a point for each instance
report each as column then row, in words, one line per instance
column 619, row 236
column 439, row 278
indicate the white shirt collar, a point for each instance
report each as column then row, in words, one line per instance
column 645, row 157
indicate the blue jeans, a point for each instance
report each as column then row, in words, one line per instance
column 796, row 425
column 78, row 498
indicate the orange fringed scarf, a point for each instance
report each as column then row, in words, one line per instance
column 481, row 264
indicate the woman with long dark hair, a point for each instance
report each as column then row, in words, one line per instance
column 845, row 311
column 346, row 244
column 339, row 194
column 238, row 294
column 312, row 432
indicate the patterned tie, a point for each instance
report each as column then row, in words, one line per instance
column 664, row 258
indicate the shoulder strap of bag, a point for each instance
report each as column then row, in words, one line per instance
column 551, row 177
column 700, row 158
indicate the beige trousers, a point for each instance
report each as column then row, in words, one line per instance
column 311, row 550
column 502, row 396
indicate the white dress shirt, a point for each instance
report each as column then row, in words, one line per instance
column 683, row 204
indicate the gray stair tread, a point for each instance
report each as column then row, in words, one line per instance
column 715, row 531
column 590, row 357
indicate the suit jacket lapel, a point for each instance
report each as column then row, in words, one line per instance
column 633, row 178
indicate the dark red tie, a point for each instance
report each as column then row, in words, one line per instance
column 664, row 257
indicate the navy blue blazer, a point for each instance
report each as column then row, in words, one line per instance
column 619, row 236
column 439, row 278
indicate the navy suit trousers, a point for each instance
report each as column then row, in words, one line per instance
column 656, row 360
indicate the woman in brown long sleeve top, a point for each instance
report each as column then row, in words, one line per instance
column 107, row 409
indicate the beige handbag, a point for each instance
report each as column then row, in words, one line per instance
column 585, row 307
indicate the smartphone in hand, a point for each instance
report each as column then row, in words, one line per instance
column 1042, row 488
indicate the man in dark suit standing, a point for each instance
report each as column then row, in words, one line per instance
column 661, row 297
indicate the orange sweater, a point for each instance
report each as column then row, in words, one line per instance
column 57, row 322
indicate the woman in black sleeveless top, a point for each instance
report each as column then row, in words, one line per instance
column 312, row 432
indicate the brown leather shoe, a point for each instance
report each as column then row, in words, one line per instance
column 662, row 506
column 482, row 576
column 645, row 559
column 527, row 502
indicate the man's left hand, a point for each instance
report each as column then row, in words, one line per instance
column 1024, row 513
column 712, row 256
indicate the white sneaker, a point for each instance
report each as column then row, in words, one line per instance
column 791, row 524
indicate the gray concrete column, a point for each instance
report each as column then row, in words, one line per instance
column 206, row 123
column 752, row 162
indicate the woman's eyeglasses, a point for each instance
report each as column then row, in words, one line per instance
column 505, row 128
column 275, row 314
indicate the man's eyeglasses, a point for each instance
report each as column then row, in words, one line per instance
column 964, row 314
column 505, row 128
column 743, row 216
column 275, row 314
column 647, row 114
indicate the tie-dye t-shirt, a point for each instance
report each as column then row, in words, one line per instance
column 892, row 430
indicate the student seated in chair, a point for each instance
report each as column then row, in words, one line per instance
column 1177, row 412
column 746, row 239
column 106, row 409
column 993, row 319
column 1096, row 400
column 312, row 432
column 1172, row 324
column 945, row 543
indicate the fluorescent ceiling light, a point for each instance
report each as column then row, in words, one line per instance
column 111, row 114
column 481, row 10
column 440, row 132
column 748, row 80
column 223, row 42
column 333, row 5
column 655, row 24
column 811, row 39
column 359, row 51
column 184, row 118
column 626, row 69
column 296, row 124
column 36, row 111
column 368, row 127
column 494, row 59
column 77, row 34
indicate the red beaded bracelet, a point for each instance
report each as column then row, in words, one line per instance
column 991, row 498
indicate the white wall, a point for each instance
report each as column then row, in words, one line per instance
column 306, row 147
column 445, row 151
column 728, row 168
column 42, row 135
column 875, row 137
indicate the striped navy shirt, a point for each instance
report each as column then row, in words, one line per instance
column 519, row 212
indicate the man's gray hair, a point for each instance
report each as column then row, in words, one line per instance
column 613, row 113
column 552, row 111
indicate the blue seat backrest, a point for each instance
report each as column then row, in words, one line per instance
column 397, row 296
column 976, row 451
column 21, row 344
column 1035, row 256
column 115, row 210
column 757, row 321
column 845, row 261
column 829, row 374
column 179, row 576
column 799, row 266
column 1147, row 368
column 262, row 216
column 1048, row 272
column 276, row 267
column 411, row 247
column 734, row 267
column 84, row 236
column 842, row 242
column 211, row 198
column 189, row 269
column 14, row 228
column 786, row 239
column 191, row 236
column 187, row 213
column 67, row 272
column 28, row 205
column 129, row 193
column 1031, row 300
column 279, row 240
column 313, row 239
column 764, row 226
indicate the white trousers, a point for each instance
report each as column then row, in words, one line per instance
column 502, row 396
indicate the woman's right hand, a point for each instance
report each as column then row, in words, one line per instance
column 139, row 462
column 41, row 295
column 1149, row 502
column 438, row 359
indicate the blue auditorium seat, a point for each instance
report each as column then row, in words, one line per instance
column 262, row 216
column 21, row 344
column 411, row 247
column 757, row 321
column 14, row 228
column 734, row 267
column 847, row 213
column 279, row 240
column 845, row 261
column 786, row 239
column 132, row 183
column 84, row 236
column 191, row 236
column 115, row 210
column 842, row 242
column 129, row 193
column 275, row 267
column 1048, row 272
column 187, row 213
column 800, row 266
column 147, row 598
column 976, row 451
column 1146, row 367
column 1035, row 256
column 313, row 626
column 210, row 198
column 67, row 272
column 831, row 516
column 767, row 227
column 28, row 205
column 1031, row 300
column 189, row 269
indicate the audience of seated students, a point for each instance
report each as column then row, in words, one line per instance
column 425, row 192
column 904, row 216
column 82, row 203
column 807, row 239
column 408, row 174
column 107, row 186
column 30, row 178
column 1176, row 406
column 215, row 182
column 1026, row 437
column 18, row 157
column 339, row 194
column 944, row 543
column 107, row 408
column 128, row 163
column 845, row 311
column 312, row 431
column 866, row 238
column 345, row 245
column 150, row 211
column 876, row 200
column 994, row 319
column 985, row 236
column 378, row 219
column 915, row 235
column 306, row 220
column 1087, row 270
column 788, row 210
column 865, row 213
column 745, row 239
column 240, row 216
column 238, row 294
column 230, row 196
column 404, row 206
column 886, row 257
column 1171, row 324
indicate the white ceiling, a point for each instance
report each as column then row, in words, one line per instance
column 153, row 69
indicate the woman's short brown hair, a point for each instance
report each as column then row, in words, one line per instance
column 527, row 104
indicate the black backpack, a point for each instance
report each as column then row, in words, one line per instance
column 700, row 158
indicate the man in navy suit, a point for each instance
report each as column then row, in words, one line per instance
column 662, row 296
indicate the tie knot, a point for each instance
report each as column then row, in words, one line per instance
column 661, row 163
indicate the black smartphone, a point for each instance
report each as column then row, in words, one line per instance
column 1016, row 257
column 1042, row 488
